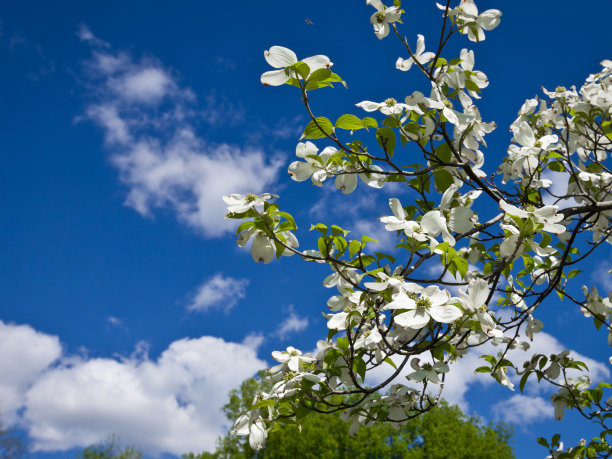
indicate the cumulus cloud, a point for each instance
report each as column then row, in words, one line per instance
column 523, row 409
column 291, row 324
column 149, row 124
column 218, row 291
column 171, row 404
column 24, row 355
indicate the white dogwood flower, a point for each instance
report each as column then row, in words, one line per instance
column 418, row 56
column 383, row 17
column 433, row 303
column 281, row 58
column 238, row 203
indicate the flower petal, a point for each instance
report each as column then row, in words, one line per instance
column 274, row 78
column 414, row 319
column 280, row 57
column 445, row 314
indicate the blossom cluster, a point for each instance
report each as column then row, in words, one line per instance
column 493, row 274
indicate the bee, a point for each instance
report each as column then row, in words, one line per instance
column 309, row 22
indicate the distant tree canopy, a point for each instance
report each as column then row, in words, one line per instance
column 110, row 449
column 443, row 432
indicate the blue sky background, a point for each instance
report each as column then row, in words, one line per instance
column 123, row 123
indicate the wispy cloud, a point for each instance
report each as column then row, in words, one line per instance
column 219, row 291
column 220, row 110
column 34, row 61
column 112, row 320
column 149, row 122
column 85, row 34
column 293, row 323
column 171, row 404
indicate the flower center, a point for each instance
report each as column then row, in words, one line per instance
column 250, row 197
column 423, row 304
column 380, row 17
column 390, row 102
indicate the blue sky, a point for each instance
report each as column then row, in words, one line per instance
column 126, row 306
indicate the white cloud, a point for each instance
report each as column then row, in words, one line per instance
column 168, row 405
column 220, row 110
column 292, row 324
column 147, row 85
column 85, row 34
column 149, row 121
column 375, row 229
column 116, row 128
column 522, row 409
column 221, row 291
column 114, row 321
column 24, row 355
column 253, row 340
column 558, row 188
column 602, row 276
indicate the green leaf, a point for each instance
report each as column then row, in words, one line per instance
column 440, row 62
column 336, row 230
column 243, row 226
column 443, row 180
column 285, row 226
column 320, row 227
column 322, row 246
column 482, row 370
column 370, row 122
column 319, row 75
column 470, row 85
column 354, row 247
column 542, row 441
column 382, row 256
column 524, row 381
column 280, row 248
column 386, row 139
column 342, row 343
column 359, row 367
column 556, row 166
column 443, row 152
column 340, row 244
column 350, row 122
column 390, row 362
column 318, row 128
column 365, row 239
column 546, row 239
column 462, row 265
column 302, row 69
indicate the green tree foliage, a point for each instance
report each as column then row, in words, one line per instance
column 443, row 432
column 110, row 449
